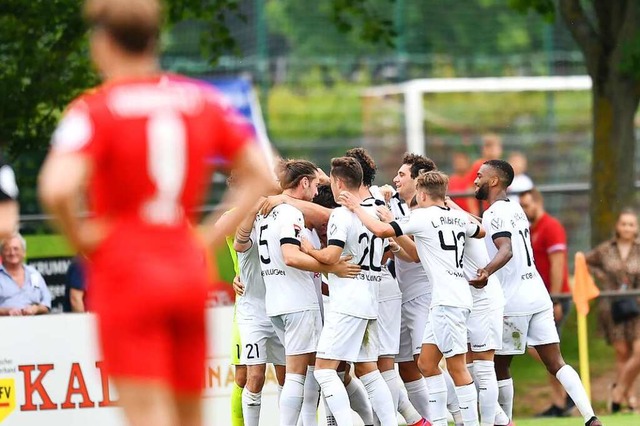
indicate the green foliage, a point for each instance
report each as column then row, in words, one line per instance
column 545, row 8
column 630, row 61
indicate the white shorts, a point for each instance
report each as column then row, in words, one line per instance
column 389, row 326
column 532, row 330
column 447, row 329
column 348, row 338
column 261, row 344
column 299, row 331
column 414, row 317
column 484, row 330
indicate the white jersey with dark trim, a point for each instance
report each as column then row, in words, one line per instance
column 389, row 288
column 440, row 235
column 358, row 296
column 312, row 236
column 288, row 289
column 489, row 297
column 523, row 288
column 412, row 279
column 250, row 307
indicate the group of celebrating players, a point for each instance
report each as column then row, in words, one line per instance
column 410, row 278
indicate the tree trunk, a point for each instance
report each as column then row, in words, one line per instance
column 613, row 152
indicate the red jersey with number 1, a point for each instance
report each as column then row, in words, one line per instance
column 150, row 142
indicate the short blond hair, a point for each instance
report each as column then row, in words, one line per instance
column 434, row 183
column 133, row 24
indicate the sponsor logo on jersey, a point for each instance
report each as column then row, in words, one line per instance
column 497, row 223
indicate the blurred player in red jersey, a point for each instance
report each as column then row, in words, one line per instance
column 140, row 147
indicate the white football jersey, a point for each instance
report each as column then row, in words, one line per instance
column 475, row 256
column 358, row 296
column 312, row 236
column 288, row 289
column 523, row 288
column 411, row 276
column 250, row 307
column 440, row 235
column 388, row 288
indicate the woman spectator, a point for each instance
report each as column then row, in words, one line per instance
column 616, row 266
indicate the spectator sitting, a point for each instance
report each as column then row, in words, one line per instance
column 75, row 293
column 521, row 181
column 23, row 290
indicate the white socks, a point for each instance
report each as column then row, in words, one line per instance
column 308, row 413
column 359, row 400
column 452, row 398
column 468, row 400
column 501, row 417
column 487, row 384
column 380, row 398
column 391, row 377
column 335, row 395
column 291, row 399
column 405, row 408
column 572, row 384
column 251, row 403
column 505, row 396
column 437, row 400
column 331, row 421
column 419, row 396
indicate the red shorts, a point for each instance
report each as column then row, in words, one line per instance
column 151, row 313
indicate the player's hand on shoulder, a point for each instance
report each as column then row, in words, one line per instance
column 271, row 203
column 348, row 200
column 387, row 192
column 482, row 277
column 238, row 287
column 384, row 214
column 345, row 269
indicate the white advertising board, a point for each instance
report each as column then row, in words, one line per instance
column 50, row 373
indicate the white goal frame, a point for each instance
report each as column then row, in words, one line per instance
column 413, row 91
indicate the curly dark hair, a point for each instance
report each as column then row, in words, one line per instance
column 366, row 162
column 418, row 163
column 324, row 197
column 504, row 171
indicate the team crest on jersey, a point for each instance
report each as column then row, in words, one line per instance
column 497, row 223
column 296, row 231
column 333, row 229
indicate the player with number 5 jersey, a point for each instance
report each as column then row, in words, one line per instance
column 139, row 150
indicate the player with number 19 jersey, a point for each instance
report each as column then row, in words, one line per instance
column 150, row 141
column 524, row 290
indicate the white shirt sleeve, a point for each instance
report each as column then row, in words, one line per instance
column 414, row 224
column 495, row 225
column 338, row 227
column 293, row 223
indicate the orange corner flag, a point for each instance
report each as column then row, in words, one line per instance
column 584, row 289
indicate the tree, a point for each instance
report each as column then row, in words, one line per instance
column 44, row 65
column 608, row 33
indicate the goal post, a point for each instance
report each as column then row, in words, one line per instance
column 412, row 92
